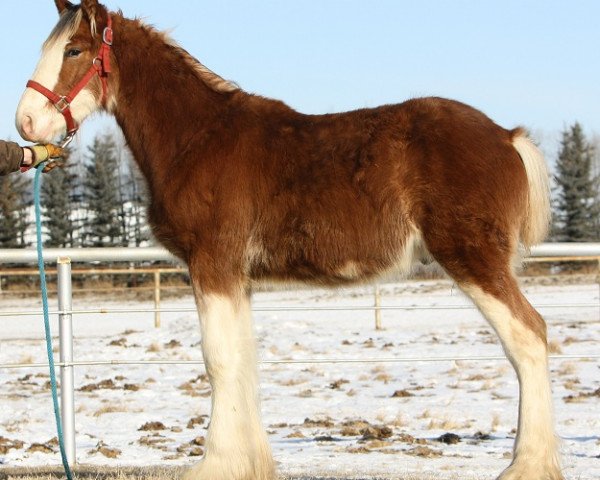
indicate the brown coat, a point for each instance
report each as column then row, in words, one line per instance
column 11, row 156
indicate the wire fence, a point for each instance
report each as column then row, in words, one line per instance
column 376, row 308
column 308, row 361
column 571, row 252
column 65, row 313
column 337, row 308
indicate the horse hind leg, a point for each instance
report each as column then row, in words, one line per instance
column 522, row 332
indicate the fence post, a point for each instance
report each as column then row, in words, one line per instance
column 377, row 309
column 598, row 277
column 65, row 327
column 157, row 298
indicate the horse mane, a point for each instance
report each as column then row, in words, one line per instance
column 206, row 75
column 210, row 78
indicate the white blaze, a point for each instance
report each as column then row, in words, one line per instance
column 36, row 118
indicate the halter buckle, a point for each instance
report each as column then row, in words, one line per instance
column 62, row 104
column 107, row 36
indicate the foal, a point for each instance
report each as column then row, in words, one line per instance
column 245, row 189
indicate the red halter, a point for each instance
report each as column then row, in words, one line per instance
column 100, row 66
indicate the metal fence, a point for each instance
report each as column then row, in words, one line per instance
column 63, row 259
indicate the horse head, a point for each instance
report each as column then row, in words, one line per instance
column 71, row 79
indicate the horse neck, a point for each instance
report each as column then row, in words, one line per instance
column 162, row 105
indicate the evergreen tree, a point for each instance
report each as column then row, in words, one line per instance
column 59, row 205
column 124, row 191
column 137, row 200
column 595, row 144
column 103, row 227
column 15, row 202
column 576, row 207
column 132, row 188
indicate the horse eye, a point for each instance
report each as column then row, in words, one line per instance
column 73, row 52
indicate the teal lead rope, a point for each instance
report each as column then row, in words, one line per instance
column 38, row 226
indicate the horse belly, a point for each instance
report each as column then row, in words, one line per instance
column 322, row 253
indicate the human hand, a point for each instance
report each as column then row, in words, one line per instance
column 47, row 152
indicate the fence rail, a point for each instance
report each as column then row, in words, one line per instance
column 65, row 312
column 159, row 254
column 340, row 308
column 299, row 361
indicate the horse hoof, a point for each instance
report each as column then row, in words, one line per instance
column 211, row 469
column 519, row 471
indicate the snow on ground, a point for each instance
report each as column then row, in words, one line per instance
column 377, row 418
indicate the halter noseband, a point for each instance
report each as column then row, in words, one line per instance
column 100, row 66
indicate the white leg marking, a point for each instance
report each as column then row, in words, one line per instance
column 536, row 450
column 237, row 446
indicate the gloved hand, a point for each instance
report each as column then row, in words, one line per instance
column 50, row 152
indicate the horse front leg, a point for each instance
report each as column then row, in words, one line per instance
column 236, row 443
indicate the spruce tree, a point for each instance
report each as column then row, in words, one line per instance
column 132, row 188
column 136, row 212
column 15, row 203
column 102, row 227
column 576, row 206
column 595, row 145
column 58, row 205
column 124, row 193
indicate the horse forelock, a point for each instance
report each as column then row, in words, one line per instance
column 208, row 77
column 66, row 27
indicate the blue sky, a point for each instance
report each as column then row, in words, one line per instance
column 531, row 62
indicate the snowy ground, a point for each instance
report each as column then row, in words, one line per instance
column 380, row 419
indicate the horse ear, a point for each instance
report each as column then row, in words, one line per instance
column 62, row 5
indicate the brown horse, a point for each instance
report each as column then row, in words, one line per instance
column 245, row 189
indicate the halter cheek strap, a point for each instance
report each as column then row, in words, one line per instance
column 100, row 66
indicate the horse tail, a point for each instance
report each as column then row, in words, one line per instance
column 537, row 219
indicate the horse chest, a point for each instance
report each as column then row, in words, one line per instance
column 174, row 228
